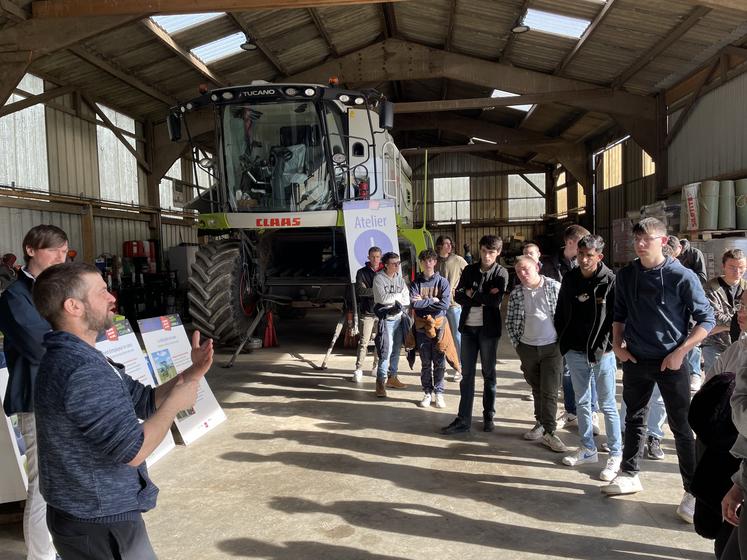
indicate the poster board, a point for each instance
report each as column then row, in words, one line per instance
column 120, row 344
column 13, row 479
column 368, row 223
column 169, row 350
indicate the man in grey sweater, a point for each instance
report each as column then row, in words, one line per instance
column 92, row 446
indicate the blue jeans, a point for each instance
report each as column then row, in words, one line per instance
column 710, row 353
column 453, row 315
column 657, row 414
column 432, row 362
column 692, row 362
column 474, row 342
column 583, row 375
column 390, row 360
column 569, row 398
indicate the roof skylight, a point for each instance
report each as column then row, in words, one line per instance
column 501, row 93
column 220, row 48
column 548, row 22
column 174, row 24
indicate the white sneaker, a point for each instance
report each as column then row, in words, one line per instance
column 440, row 402
column 529, row 397
column 357, row 376
column 695, row 384
column 535, row 433
column 686, row 509
column 554, row 442
column 623, row 483
column 566, row 420
column 426, row 401
column 595, row 424
column 613, row 467
column 457, row 377
column 583, row 455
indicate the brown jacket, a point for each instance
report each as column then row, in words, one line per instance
column 433, row 328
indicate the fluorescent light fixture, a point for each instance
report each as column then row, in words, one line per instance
column 220, row 48
column 483, row 140
column 555, row 24
column 174, row 24
column 501, row 93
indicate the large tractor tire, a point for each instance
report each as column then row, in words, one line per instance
column 220, row 295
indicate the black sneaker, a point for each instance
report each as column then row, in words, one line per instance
column 488, row 425
column 456, row 427
column 653, row 449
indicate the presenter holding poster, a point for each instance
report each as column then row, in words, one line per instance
column 92, row 445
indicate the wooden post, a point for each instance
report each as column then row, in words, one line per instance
column 88, row 234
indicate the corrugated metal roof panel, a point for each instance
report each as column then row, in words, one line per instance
column 177, row 23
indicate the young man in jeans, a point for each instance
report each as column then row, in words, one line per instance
column 367, row 321
column 391, row 299
column 450, row 266
column 480, row 292
column 529, row 321
column 583, row 320
column 430, row 295
column 655, row 299
column 24, row 329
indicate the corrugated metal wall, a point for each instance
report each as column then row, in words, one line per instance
column 15, row 222
column 173, row 235
column 713, row 141
column 488, row 204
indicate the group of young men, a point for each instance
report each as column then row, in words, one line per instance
column 571, row 320
column 87, row 425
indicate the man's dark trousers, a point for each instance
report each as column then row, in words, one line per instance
column 638, row 384
column 474, row 342
column 118, row 540
column 542, row 367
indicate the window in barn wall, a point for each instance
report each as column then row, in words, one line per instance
column 561, row 179
column 581, row 198
column 23, row 141
column 561, row 199
column 648, row 164
column 612, row 166
column 166, row 186
column 525, row 203
column 118, row 178
column 451, row 199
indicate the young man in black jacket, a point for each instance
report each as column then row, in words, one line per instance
column 367, row 321
column 480, row 292
column 24, row 329
column 583, row 319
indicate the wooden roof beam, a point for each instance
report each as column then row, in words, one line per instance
column 585, row 37
column 82, row 8
column 736, row 5
column 32, row 100
column 12, row 11
column 125, row 76
column 695, row 15
column 13, row 66
column 450, row 27
column 185, row 55
column 511, row 35
column 324, row 31
column 250, row 31
column 395, row 59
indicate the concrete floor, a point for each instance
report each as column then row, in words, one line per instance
column 310, row 466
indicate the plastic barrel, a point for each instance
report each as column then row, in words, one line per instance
column 708, row 205
column 740, row 190
column 727, row 210
column 689, row 207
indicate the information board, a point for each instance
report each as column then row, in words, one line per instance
column 368, row 223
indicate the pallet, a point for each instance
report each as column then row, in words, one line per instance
column 713, row 234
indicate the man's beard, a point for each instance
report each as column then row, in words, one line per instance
column 97, row 324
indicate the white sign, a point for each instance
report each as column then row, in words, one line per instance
column 13, row 480
column 120, row 345
column 369, row 223
column 169, row 350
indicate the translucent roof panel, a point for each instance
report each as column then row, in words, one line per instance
column 174, row 24
column 220, row 48
column 547, row 22
column 501, row 93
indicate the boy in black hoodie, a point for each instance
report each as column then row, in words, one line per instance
column 655, row 299
column 583, row 319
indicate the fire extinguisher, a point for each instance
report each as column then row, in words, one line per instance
column 363, row 190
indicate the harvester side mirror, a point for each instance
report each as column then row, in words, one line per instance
column 386, row 115
column 174, row 124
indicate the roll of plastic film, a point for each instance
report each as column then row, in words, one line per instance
column 740, row 192
column 727, row 210
column 708, row 205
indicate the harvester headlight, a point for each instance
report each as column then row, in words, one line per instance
column 214, row 97
column 183, row 109
column 291, row 91
column 309, row 92
column 189, row 107
column 359, row 101
column 227, row 95
column 344, row 98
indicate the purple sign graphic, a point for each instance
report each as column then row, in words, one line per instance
column 368, row 239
